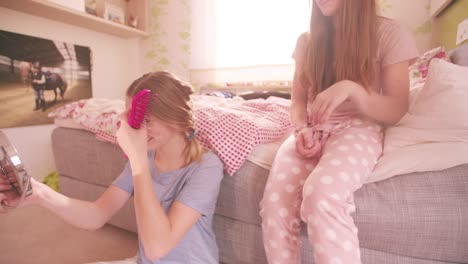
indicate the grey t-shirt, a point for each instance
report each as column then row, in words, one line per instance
column 196, row 186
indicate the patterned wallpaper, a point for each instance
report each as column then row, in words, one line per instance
column 168, row 46
column 414, row 14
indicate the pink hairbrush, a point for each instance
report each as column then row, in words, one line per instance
column 140, row 108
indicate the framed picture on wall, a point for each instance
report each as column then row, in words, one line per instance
column 38, row 75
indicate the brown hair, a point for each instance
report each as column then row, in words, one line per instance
column 171, row 104
column 350, row 56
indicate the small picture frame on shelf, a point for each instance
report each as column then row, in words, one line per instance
column 91, row 7
column 114, row 13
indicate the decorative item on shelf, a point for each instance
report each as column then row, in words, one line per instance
column 91, row 7
column 114, row 13
column 132, row 13
column 133, row 21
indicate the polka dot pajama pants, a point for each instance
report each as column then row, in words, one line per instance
column 319, row 191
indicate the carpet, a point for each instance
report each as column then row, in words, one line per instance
column 35, row 235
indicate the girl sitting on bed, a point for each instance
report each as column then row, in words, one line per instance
column 174, row 182
column 351, row 78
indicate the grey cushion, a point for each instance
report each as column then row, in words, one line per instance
column 78, row 154
column 459, row 55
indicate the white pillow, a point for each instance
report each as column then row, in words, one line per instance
column 445, row 97
column 433, row 135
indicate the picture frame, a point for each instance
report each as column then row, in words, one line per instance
column 91, row 7
column 114, row 13
column 39, row 75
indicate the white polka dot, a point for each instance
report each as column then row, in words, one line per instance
column 309, row 167
column 318, row 169
column 344, row 176
column 358, row 147
column 335, row 196
column 326, row 155
column 289, row 188
column 348, row 136
column 273, row 244
column 374, row 140
column 319, row 249
column 347, row 194
column 352, row 160
column 336, row 260
column 357, row 122
column 334, row 142
column 296, row 170
column 271, row 222
column 347, row 246
column 308, row 190
column 370, row 150
column 286, row 254
column 363, row 137
column 355, row 230
column 326, row 180
column 335, row 162
column 323, row 206
column 311, row 219
column 343, row 148
column 287, row 159
column 364, row 162
column 283, row 212
column 276, row 262
column 274, row 197
column 330, row 234
column 356, row 177
column 281, row 176
column 282, row 234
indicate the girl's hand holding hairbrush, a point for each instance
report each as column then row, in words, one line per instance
column 134, row 142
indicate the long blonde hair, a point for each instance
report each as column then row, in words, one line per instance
column 171, row 105
column 350, row 56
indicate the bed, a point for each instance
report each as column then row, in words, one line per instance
column 410, row 218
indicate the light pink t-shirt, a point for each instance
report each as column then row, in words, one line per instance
column 395, row 44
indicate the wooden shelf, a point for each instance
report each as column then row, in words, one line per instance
column 73, row 17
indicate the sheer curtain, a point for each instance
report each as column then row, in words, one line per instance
column 245, row 40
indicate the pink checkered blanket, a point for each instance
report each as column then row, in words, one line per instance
column 231, row 128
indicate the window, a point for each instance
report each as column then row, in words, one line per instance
column 234, row 35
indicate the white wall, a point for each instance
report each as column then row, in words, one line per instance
column 116, row 62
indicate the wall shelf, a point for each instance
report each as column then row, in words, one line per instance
column 73, row 17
